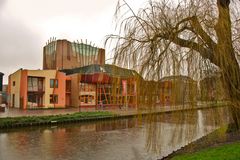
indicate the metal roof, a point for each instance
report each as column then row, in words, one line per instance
column 111, row 70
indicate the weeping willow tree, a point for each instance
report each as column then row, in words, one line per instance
column 188, row 37
column 194, row 38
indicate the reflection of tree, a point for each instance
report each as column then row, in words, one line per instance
column 117, row 139
column 166, row 132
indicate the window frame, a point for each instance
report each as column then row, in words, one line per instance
column 54, row 84
column 53, row 98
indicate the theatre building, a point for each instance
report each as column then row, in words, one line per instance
column 74, row 74
column 103, row 86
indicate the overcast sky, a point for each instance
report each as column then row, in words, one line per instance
column 26, row 25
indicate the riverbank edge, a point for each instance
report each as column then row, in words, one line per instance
column 217, row 138
column 223, row 151
column 49, row 120
column 110, row 116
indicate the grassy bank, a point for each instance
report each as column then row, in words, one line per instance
column 226, row 151
column 220, row 144
column 11, row 122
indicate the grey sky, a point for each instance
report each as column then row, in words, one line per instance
column 26, row 25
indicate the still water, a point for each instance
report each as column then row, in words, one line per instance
column 129, row 139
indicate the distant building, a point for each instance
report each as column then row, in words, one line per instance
column 62, row 54
column 37, row 89
column 177, row 90
column 5, row 94
column 171, row 90
column 1, row 81
column 1, row 87
column 212, row 88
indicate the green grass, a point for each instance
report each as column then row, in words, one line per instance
column 12, row 121
column 223, row 152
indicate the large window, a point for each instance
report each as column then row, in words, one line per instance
column 87, row 94
column 53, row 83
column 53, row 99
column 35, row 99
column 87, row 99
column 35, row 84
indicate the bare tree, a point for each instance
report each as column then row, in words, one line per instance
column 169, row 37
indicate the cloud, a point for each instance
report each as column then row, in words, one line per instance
column 21, row 36
column 26, row 25
column 2, row 2
column 19, row 47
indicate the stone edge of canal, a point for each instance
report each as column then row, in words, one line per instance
column 84, row 119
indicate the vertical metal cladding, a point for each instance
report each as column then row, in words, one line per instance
column 49, row 54
column 62, row 54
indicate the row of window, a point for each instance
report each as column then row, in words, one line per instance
column 37, row 82
column 36, row 98
column 53, row 83
column 86, row 99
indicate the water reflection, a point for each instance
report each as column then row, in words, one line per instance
column 172, row 131
column 119, row 139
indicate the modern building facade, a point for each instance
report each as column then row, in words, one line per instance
column 38, row 89
column 94, row 86
column 103, row 86
column 63, row 54
column 75, row 74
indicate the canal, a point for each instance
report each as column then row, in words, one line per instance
column 139, row 138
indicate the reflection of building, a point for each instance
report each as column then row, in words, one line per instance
column 37, row 88
column 114, row 125
column 99, row 86
column 62, row 54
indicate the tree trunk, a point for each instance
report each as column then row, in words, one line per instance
column 224, row 57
